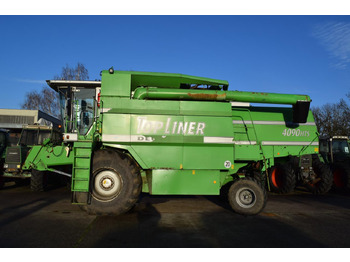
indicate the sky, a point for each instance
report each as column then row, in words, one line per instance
column 278, row 54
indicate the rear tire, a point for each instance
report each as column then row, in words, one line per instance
column 116, row 184
column 38, row 181
column 247, row 197
column 325, row 176
column 341, row 178
column 282, row 178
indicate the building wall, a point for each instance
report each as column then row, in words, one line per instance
column 14, row 119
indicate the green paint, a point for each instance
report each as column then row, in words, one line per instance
column 186, row 182
column 213, row 95
column 185, row 141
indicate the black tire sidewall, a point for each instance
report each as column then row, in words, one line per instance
column 131, row 184
column 252, row 185
column 288, row 178
column 345, row 170
column 38, row 181
column 324, row 173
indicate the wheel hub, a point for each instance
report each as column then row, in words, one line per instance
column 107, row 185
column 245, row 197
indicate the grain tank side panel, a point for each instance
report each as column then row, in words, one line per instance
column 273, row 128
column 198, row 135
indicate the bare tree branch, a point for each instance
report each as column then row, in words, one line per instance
column 333, row 119
column 77, row 73
column 47, row 100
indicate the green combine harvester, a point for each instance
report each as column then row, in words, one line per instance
column 174, row 134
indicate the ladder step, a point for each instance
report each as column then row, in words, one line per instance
column 84, row 198
column 81, row 166
column 80, row 186
column 85, row 144
column 83, row 151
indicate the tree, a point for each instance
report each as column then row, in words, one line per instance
column 333, row 119
column 47, row 99
column 77, row 73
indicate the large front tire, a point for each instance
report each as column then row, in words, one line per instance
column 341, row 178
column 116, row 184
column 247, row 197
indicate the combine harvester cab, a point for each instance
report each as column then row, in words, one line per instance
column 171, row 134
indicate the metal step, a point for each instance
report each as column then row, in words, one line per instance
column 81, row 167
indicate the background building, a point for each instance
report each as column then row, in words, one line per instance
column 14, row 119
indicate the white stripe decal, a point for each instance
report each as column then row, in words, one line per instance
column 288, row 143
column 272, row 123
column 116, row 138
column 245, row 143
column 218, row 140
column 242, row 122
column 126, row 138
column 206, row 140
column 225, row 140
column 105, row 110
column 141, row 138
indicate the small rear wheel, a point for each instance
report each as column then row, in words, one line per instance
column 247, row 197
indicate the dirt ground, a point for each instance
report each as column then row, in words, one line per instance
column 48, row 219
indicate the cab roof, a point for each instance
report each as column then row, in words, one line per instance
column 165, row 80
column 55, row 84
column 138, row 78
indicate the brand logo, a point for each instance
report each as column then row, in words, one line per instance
column 145, row 126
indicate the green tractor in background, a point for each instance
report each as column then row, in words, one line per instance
column 15, row 156
column 335, row 151
column 307, row 171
